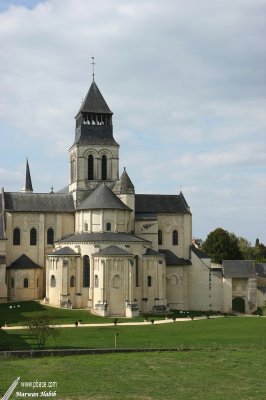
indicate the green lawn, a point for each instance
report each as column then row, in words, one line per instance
column 16, row 312
column 225, row 333
column 194, row 375
column 226, row 360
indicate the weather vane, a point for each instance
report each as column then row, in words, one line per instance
column 92, row 63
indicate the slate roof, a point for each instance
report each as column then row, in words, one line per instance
column 126, row 184
column 151, row 252
column 23, row 262
column 103, row 237
column 239, row 268
column 28, row 185
column 39, row 202
column 157, row 203
column 172, row 259
column 145, row 216
column 95, row 134
column 64, row 251
column 112, row 251
column 102, row 198
column 94, row 101
column 199, row 253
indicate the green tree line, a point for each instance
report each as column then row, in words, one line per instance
column 223, row 245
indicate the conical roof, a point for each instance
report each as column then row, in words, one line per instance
column 126, row 184
column 23, row 262
column 102, row 198
column 94, row 102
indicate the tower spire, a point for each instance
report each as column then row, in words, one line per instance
column 93, row 63
column 27, row 184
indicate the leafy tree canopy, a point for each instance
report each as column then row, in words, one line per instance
column 221, row 245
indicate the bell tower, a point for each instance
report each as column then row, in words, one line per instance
column 94, row 155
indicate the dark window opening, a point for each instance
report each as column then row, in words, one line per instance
column 72, row 281
column 33, row 237
column 53, row 281
column 26, row 283
column 86, row 271
column 160, row 236
column 16, row 237
column 149, row 281
column 50, row 236
column 175, row 237
column 104, row 168
column 108, row 226
column 90, row 167
column 137, row 270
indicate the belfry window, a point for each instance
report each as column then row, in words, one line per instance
column 175, row 238
column 90, row 167
column 85, row 226
column 108, row 226
column 160, row 236
column 16, row 237
column 33, row 237
column 50, row 236
column 104, row 168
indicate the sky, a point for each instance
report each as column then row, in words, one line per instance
column 186, row 81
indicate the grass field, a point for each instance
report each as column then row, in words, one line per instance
column 225, row 333
column 194, row 375
column 226, row 360
column 16, row 312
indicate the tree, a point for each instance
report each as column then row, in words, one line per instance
column 221, row 245
column 41, row 328
column 245, row 247
column 259, row 252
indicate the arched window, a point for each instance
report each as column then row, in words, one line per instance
column 104, row 168
column 33, row 237
column 50, row 236
column 86, row 271
column 175, row 237
column 90, row 167
column 96, row 281
column 160, row 236
column 149, row 281
column 85, row 226
column 12, row 282
column 26, row 283
column 16, row 237
column 53, row 281
column 108, row 226
column 72, row 281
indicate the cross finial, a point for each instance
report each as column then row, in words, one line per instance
column 93, row 63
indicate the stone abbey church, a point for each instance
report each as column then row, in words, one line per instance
column 98, row 245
